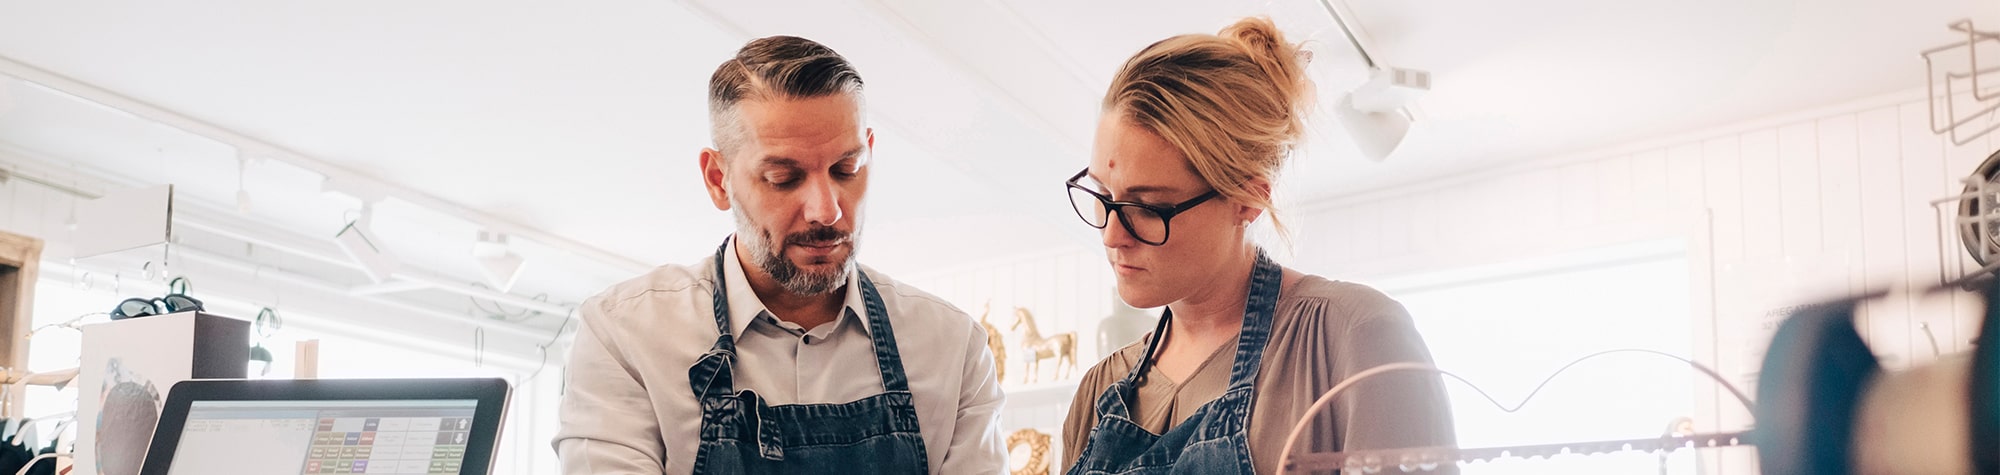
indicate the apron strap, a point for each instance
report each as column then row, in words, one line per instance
column 1265, row 282
column 1138, row 373
column 888, row 359
column 713, row 374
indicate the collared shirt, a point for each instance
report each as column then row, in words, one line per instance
column 628, row 407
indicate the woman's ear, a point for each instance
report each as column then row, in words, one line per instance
column 1257, row 187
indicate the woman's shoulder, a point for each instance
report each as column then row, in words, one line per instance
column 1336, row 301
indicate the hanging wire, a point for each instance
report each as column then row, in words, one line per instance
column 499, row 310
column 479, row 347
column 543, row 349
column 72, row 323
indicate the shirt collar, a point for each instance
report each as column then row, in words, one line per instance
column 745, row 307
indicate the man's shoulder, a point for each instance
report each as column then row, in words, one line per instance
column 667, row 281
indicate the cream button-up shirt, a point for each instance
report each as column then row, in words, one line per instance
column 628, row 408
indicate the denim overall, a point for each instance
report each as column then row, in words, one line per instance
column 1214, row 439
column 740, row 434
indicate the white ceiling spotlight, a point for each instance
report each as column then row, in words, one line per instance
column 497, row 261
column 358, row 240
column 1377, row 114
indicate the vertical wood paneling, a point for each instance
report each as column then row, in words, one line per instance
column 1578, row 185
column 1614, row 189
column 1396, row 226
column 1649, row 183
column 1761, row 197
column 1883, row 210
column 1364, row 230
column 1686, row 185
column 1722, row 179
column 1430, row 218
column 1923, row 180
column 1960, row 161
column 1839, row 200
column 1333, row 239
column 1532, row 203
column 1799, row 169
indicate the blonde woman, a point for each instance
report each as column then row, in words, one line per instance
column 1194, row 131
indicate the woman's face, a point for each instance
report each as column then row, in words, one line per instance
column 1131, row 163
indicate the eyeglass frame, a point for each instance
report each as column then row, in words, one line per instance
column 1166, row 213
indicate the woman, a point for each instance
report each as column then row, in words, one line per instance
column 1194, row 131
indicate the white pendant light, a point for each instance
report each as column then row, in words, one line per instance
column 1377, row 115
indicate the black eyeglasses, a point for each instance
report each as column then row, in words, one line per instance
column 1147, row 223
column 175, row 301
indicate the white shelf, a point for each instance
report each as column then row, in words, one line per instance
column 1039, row 394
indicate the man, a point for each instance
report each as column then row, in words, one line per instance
column 780, row 354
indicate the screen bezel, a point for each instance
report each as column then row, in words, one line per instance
column 488, row 417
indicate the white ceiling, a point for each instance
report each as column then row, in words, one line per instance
column 583, row 120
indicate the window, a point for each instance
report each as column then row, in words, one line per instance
column 1507, row 328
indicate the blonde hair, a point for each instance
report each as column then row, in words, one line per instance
column 1233, row 103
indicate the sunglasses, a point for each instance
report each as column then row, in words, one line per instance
column 175, row 301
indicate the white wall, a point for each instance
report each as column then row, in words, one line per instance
column 1788, row 210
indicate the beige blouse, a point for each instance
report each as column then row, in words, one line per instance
column 1323, row 331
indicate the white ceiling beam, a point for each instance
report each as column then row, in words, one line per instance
column 330, row 171
column 323, row 251
column 193, row 215
column 390, row 287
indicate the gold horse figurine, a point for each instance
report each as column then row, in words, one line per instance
column 1061, row 346
column 994, row 343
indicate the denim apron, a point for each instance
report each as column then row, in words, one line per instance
column 1214, row 439
column 740, row 434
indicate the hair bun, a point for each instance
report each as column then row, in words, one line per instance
column 1260, row 38
column 1259, row 35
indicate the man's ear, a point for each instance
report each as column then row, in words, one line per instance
column 869, row 158
column 714, row 178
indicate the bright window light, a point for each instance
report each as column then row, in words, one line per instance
column 1506, row 332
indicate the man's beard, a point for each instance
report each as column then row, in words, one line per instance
column 769, row 257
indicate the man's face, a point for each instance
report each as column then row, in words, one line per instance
column 795, row 182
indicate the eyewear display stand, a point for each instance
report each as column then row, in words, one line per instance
column 127, row 367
